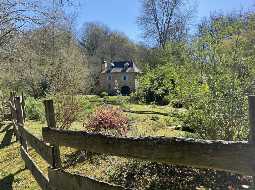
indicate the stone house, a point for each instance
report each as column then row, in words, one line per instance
column 119, row 77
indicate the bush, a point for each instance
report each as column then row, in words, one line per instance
column 34, row 109
column 177, row 104
column 103, row 94
column 155, row 85
column 221, row 113
column 108, row 120
column 68, row 111
column 166, row 83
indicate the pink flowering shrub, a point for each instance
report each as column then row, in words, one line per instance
column 108, row 119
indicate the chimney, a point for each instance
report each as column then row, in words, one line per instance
column 104, row 66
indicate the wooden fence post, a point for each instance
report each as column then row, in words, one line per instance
column 19, row 110
column 252, row 118
column 13, row 114
column 12, row 106
column 251, row 100
column 20, row 119
column 51, row 123
column 23, row 107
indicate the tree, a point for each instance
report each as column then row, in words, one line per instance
column 99, row 41
column 93, row 37
column 165, row 20
column 223, row 51
column 39, row 53
column 38, row 68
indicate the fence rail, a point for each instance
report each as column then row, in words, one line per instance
column 41, row 179
column 66, row 181
column 236, row 157
column 45, row 151
column 57, row 179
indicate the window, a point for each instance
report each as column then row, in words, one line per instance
column 109, row 77
column 125, row 77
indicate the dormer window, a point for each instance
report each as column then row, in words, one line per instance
column 126, row 65
column 125, row 77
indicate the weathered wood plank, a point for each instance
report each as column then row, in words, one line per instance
column 45, row 151
column 19, row 111
column 60, row 179
column 41, row 179
column 12, row 109
column 51, row 123
column 23, row 106
column 7, row 116
column 16, row 131
column 237, row 157
column 251, row 100
column 50, row 113
column 20, row 120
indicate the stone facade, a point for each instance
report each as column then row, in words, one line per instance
column 119, row 78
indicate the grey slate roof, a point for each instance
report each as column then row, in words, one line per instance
column 122, row 66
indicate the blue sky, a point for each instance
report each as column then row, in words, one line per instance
column 121, row 15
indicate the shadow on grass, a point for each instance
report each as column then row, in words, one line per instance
column 6, row 182
column 7, row 140
column 74, row 158
column 146, row 112
column 77, row 157
column 135, row 175
column 6, row 128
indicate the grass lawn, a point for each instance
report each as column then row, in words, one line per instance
column 145, row 120
column 13, row 175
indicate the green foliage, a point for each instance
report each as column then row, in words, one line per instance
column 222, row 112
column 156, row 85
column 210, row 77
column 168, row 83
column 221, row 54
column 103, row 94
column 34, row 109
column 116, row 100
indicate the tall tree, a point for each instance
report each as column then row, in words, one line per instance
column 165, row 20
column 38, row 50
column 99, row 41
column 93, row 37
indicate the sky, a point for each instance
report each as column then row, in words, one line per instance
column 121, row 15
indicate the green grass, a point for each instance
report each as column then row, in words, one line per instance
column 145, row 120
column 13, row 175
column 152, row 121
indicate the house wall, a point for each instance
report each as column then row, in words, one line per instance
column 109, row 85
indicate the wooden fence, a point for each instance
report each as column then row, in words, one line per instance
column 57, row 179
column 236, row 157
